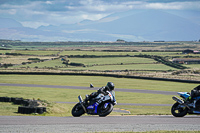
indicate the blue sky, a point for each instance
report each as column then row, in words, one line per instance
column 35, row 13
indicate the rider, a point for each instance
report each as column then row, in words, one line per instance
column 103, row 90
column 194, row 93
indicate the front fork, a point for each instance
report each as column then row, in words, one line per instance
column 81, row 102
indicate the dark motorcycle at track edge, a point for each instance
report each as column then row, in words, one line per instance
column 93, row 107
column 189, row 104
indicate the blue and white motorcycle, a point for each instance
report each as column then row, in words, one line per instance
column 190, row 103
column 100, row 105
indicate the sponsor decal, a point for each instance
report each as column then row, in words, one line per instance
column 90, row 107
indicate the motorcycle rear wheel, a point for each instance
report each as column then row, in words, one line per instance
column 178, row 111
column 77, row 110
column 105, row 111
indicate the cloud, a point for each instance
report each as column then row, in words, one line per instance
column 34, row 24
column 49, row 2
column 174, row 5
column 33, row 13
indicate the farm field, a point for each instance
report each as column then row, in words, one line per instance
column 139, row 46
column 102, row 64
column 126, row 63
column 113, row 60
column 91, row 52
column 31, row 52
column 124, row 67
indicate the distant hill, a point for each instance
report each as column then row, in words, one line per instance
column 140, row 25
column 153, row 25
column 9, row 23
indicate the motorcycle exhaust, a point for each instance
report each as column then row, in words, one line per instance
column 177, row 99
column 80, row 99
column 180, row 101
column 81, row 102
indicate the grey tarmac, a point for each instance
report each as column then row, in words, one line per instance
column 30, row 124
column 95, row 88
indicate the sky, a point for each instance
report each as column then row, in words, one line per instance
column 35, row 13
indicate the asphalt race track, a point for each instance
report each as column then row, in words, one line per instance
column 27, row 124
column 95, row 88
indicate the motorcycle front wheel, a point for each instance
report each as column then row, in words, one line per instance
column 178, row 111
column 105, row 110
column 77, row 110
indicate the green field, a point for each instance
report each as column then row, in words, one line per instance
column 124, row 67
column 98, row 81
column 50, row 63
column 103, row 53
column 90, row 63
column 31, row 52
column 102, row 64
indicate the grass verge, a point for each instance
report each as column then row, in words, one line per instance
column 53, row 95
column 98, row 81
column 69, row 95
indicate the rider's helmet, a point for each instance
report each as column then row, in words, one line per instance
column 110, row 86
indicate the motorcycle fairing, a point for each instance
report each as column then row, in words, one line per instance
column 184, row 94
column 90, row 107
column 94, row 107
column 108, row 97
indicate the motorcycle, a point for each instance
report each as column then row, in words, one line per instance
column 190, row 103
column 93, row 106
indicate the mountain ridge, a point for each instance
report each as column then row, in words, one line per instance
column 9, row 23
column 140, row 25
